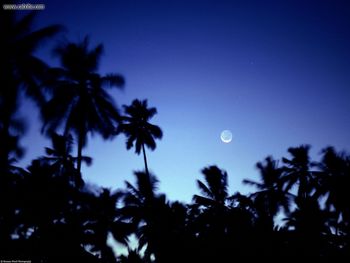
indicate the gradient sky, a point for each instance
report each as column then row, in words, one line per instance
column 276, row 73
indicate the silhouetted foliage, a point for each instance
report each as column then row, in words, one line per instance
column 135, row 125
column 270, row 195
column 48, row 213
column 80, row 102
column 60, row 158
column 20, row 71
column 297, row 170
column 132, row 257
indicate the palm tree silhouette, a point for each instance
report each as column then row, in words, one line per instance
column 139, row 198
column 135, row 125
column 212, row 221
column 103, row 218
column 144, row 207
column 60, row 158
column 270, row 196
column 56, row 213
column 214, row 193
column 333, row 185
column 60, row 154
column 222, row 226
column 297, row 170
column 18, row 61
column 80, row 102
column 20, row 71
column 334, row 178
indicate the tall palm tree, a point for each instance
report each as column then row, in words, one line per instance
column 80, row 101
column 135, row 125
column 20, row 69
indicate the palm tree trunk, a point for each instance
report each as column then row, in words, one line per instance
column 66, row 130
column 80, row 150
column 145, row 158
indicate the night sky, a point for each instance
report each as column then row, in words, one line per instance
column 275, row 73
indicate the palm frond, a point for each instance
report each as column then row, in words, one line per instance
column 204, row 189
column 113, row 80
column 253, row 183
column 200, row 200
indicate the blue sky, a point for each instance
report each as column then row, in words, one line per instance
column 275, row 73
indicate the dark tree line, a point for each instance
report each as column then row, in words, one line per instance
column 48, row 213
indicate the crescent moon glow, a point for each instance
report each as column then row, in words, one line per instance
column 226, row 136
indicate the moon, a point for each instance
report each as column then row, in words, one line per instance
column 226, row 136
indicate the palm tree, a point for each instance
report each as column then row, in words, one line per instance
column 60, row 158
column 334, row 179
column 270, row 196
column 102, row 219
column 215, row 192
column 160, row 226
column 20, row 70
column 333, row 185
column 297, row 170
column 54, row 214
column 18, row 63
column 135, row 125
column 145, row 210
column 80, row 102
column 212, row 225
column 214, row 199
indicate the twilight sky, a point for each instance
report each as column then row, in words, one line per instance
column 276, row 73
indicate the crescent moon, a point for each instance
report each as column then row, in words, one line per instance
column 226, row 136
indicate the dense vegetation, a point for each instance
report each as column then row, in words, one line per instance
column 48, row 213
